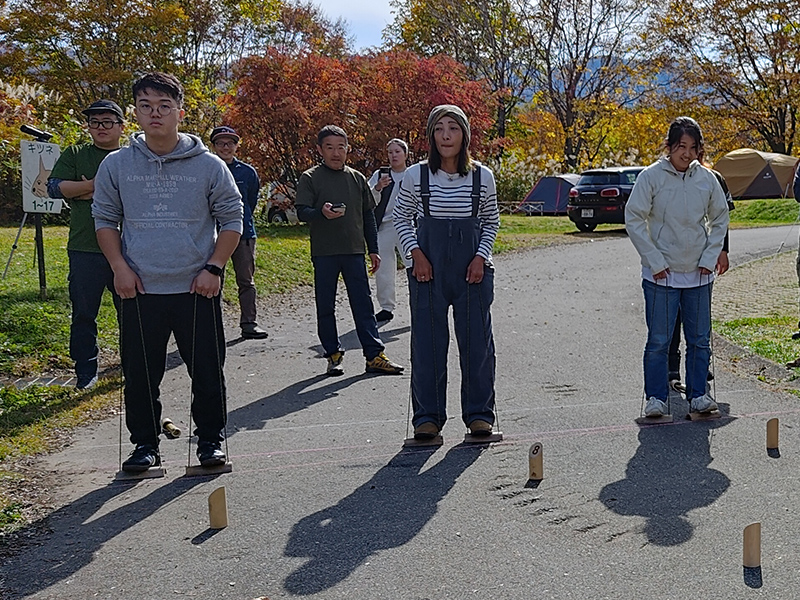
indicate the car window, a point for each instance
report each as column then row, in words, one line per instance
column 630, row 176
column 599, row 179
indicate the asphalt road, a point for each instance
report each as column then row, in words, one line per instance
column 324, row 502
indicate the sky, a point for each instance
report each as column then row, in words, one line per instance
column 366, row 19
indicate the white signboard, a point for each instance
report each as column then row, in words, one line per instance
column 38, row 159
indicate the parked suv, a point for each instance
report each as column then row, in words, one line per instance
column 600, row 196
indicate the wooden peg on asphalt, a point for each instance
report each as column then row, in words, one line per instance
column 752, row 545
column 772, row 434
column 218, row 509
column 169, row 429
column 535, row 462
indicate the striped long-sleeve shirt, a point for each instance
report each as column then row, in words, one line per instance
column 450, row 199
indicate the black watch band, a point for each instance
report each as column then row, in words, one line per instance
column 213, row 269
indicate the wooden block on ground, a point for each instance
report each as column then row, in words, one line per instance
column 151, row 473
column 415, row 443
column 697, row 416
column 654, row 420
column 200, row 470
column 495, row 436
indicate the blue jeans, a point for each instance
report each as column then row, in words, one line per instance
column 661, row 311
column 89, row 275
column 326, row 279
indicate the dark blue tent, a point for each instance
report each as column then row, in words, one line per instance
column 549, row 196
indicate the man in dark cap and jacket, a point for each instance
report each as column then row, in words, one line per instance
column 226, row 142
column 89, row 273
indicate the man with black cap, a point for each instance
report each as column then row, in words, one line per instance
column 226, row 142
column 89, row 272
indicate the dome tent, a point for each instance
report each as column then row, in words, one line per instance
column 549, row 195
column 753, row 174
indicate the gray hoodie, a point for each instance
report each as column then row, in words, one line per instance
column 168, row 207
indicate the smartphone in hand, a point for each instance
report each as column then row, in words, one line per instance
column 339, row 207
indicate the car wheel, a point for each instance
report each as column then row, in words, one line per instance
column 585, row 227
column 276, row 215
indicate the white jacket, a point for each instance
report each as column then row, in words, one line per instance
column 677, row 220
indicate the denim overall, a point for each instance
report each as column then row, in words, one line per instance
column 450, row 245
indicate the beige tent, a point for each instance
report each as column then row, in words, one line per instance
column 753, row 174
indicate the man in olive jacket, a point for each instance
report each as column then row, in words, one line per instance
column 338, row 205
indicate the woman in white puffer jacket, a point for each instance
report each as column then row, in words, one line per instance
column 676, row 218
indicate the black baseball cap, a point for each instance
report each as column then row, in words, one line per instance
column 101, row 106
column 224, row 131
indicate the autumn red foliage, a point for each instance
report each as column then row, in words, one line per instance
column 280, row 103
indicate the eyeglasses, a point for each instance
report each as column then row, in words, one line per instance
column 230, row 144
column 93, row 124
column 162, row 110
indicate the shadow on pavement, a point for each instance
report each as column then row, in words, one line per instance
column 667, row 478
column 74, row 536
column 286, row 401
column 386, row 512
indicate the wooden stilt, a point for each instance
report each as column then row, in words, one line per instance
column 654, row 420
column 200, row 470
column 415, row 443
column 151, row 473
column 495, row 436
column 698, row 416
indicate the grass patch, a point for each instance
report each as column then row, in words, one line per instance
column 30, row 419
column 34, row 333
column 10, row 514
column 758, row 213
column 765, row 336
column 518, row 232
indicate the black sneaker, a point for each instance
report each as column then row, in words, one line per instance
column 251, row 331
column 86, row 381
column 384, row 316
column 142, row 458
column 210, row 454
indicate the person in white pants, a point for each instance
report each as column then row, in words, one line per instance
column 385, row 183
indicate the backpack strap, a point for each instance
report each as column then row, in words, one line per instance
column 476, row 190
column 425, row 187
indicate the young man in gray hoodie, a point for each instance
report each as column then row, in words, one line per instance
column 156, row 208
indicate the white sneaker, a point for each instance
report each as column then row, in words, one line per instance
column 655, row 408
column 677, row 385
column 703, row 404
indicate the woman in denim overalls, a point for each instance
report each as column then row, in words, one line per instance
column 453, row 202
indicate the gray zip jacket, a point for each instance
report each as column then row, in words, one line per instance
column 677, row 220
column 168, row 208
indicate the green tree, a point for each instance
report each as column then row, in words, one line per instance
column 742, row 56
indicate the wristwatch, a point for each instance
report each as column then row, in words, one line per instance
column 213, row 269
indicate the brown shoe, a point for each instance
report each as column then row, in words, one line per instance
column 426, row 431
column 480, row 428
